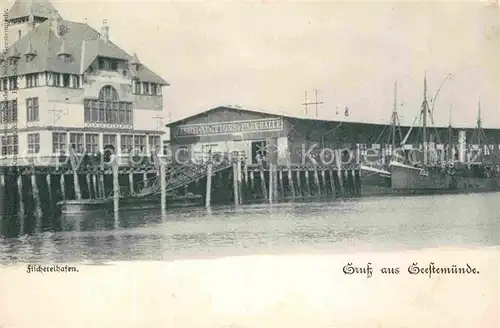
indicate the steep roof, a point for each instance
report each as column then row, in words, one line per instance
column 37, row 8
column 80, row 40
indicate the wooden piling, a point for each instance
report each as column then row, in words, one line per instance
column 332, row 183
column 102, row 191
column 48, row 178
column 116, row 192
column 131, row 183
column 3, row 210
column 316, row 179
column 89, row 186
column 263, row 182
column 240, row 182
column 308, row 184
column 235, row 184
column 76, row 183
column 271, row 183
column 282, row 187
column 95, row 189
column 36, row 200
column 252, row 179
column 299, row 189
column 145, row 179
column 163, row 189
column 323, row 179
column 290, row 181
column 21, row 203
column 62, row 182
column 208, row 192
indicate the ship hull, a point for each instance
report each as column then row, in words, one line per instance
column 410, row 179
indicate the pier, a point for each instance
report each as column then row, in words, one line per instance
column 36, row 196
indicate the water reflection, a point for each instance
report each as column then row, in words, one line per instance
column 363, row 224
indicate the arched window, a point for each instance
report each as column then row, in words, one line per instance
column 108, row 93
column 108, row 108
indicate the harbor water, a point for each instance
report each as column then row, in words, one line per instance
column 366, row 224
column 261, row 266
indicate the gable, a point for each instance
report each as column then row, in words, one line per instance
column 223, row 114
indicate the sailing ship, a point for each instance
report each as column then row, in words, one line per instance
column 426, row 172
column 376, row 175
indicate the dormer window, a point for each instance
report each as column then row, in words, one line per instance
column 108, row 64
column 30, row 53
column 14, row 58
column 63, row 54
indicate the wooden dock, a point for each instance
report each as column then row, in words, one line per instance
column 33, row 195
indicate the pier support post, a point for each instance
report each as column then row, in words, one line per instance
column 163, row 189
column 271, row 183
column 36, row 199
column 48, row 178
column 299, row 187
column 62, row 183
column 102, row 191
column 332, row 184
column 95, row 189
column 316, row 179
column 290, row 181
column 21, row 202
column 89, row 186
column 282, row 186
column 131, row 183
column 263, row 182
column 235, row 184
column 116, row 192
column 240, row 181
column 323, row 179
column 76, row 182
column 208, row 192
column 308, row 184
column 2, row 199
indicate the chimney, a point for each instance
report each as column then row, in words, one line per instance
column 105, row 30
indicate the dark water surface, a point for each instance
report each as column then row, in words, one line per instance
column 369, row 224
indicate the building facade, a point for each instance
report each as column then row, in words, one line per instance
column 65, row 85
column 295, row 140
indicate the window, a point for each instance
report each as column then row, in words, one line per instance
column 9, row 145
column 13, row 83
column 137, row 87
column 76, row 142
column 5, row 84
column 56, row 79
column 33, row 143
column 8, row 111
column 76, row 81
column 126, row 143
column 92, row 143
column 31, row 80
column 59, row 142
column 108, row 108
column 145, row 88
column 156, row 89
column 140, row 143
column 108, row 64
column 66, row 79
column 154, row 143
column 32, row 110
column 109, row 140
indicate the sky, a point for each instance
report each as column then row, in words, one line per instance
column 266, row 54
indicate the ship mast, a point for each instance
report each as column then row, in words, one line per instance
column 395, row 118
column 424, row 125
column 450, row 132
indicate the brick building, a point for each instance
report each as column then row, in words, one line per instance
column 67, row 85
